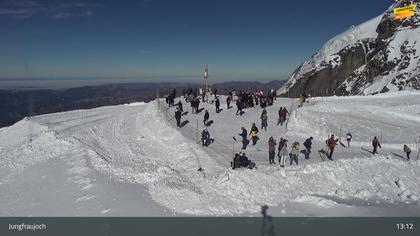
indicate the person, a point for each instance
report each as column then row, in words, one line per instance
column 244, row 136
column 197, row 104
column 217, row 103
column 271, row 150
column 178, row 115
column 283, row 152
column 244, row 160
column 236, row 161
column 407, row 151
column 180, row 106
column 239, row 106
column 203, row 94
column 375, row 144
column 205, row 138
column 206, row 117
column 254, row 132
column 308, row 145
column 192, row 101
column 331, row 143
column 280, row 116
column 301, row 100
column 295, row 153
column 228, row 99
column 349, row 137
column 264, row 118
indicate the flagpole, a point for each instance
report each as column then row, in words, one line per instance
column 207, row 78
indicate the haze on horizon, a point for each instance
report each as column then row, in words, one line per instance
column 156, row 40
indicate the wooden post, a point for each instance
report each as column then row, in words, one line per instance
column 340, row 133
column 196, row 134
column 381, row 138
column 233, row 149
column 207, row 78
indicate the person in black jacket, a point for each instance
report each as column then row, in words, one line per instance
column 206, row 117
column 375, row 144
column 217, row 103
column 178, row 115
column 180, row 106
column 308, row 146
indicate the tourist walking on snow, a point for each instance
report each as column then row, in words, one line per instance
column 301, row 100
column 407, row 151
column 180, row 106
column 206, row 117
column 283, row 152
column 217, row 103
column 228, row 99
column 253, row 134
column 308, row 145
column 178, row 115
column 244, row 136
column 349, row 137
column 205, row 137
column 271, row 150
column 264, row 118
column 282, row 115
column 331, row 143
column 295, row 153
column 279, row 121
column 239, row 107
column 375, row 145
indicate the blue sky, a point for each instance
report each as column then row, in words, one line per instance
column 169, row 40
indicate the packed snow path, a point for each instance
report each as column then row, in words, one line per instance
column 91, row 155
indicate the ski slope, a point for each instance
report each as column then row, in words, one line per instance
column 132, row 160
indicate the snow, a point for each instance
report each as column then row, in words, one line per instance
column 133, row 160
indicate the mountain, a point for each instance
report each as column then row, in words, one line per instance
column 377, row 56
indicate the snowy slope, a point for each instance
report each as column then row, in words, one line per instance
column 132, row 160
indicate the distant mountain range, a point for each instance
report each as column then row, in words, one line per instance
column 18, row 104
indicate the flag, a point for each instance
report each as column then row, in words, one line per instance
column 206, row 73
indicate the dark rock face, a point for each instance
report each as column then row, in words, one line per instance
column 361, row 63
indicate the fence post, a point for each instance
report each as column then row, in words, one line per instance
column 196, row 134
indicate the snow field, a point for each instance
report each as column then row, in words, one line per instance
column 141, row 146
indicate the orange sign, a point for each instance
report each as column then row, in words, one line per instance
column 405, row 15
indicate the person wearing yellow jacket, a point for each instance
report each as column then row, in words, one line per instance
column 295, row 153
column 253, row 134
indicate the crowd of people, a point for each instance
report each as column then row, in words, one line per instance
column 246, row 100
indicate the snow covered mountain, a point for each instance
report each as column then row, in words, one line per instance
column 380, row 55
column 132, row 160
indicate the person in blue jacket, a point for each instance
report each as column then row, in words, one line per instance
column 205, row 138
column 308, row 146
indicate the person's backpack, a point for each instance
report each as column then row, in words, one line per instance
column 251, row 165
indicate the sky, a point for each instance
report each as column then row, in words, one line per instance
column 169, row 40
